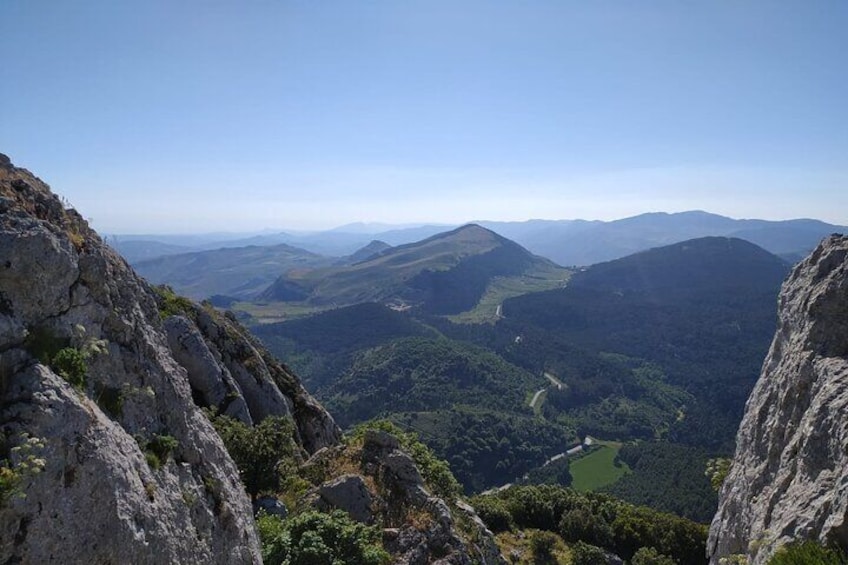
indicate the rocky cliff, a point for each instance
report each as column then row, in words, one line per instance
column 105, row 453
column 789, row 476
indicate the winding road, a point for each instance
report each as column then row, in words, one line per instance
column 554, row 382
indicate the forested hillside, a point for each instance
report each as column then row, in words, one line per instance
column 661, row 348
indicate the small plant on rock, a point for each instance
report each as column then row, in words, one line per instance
column 23, row 462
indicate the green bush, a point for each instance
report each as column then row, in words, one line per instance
column 264, row 453
column 808, row 553
column 494, row 513
column 542, row 546
column 316, row 538
column 163, row 445
column 172, row 304
column 23, row 463
column 70, row 364
column 585, row 554
column 650, row 556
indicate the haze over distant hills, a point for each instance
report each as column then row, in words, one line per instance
column 566, row 242
column 237, row 271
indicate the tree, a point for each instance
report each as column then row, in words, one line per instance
column 263, row 453
column 650, row 556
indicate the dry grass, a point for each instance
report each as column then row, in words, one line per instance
column 515, row 546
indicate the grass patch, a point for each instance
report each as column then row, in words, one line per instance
column 597, row 469
column 518, row 548
column 501, row 288
column 273, row 312
column 172, row 304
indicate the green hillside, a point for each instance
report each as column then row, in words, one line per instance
column 445, row 274
column 239, row 272
column 660, row 347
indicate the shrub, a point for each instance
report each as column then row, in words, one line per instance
column 70, row 364
column 494, row 513
column 435, row 472
column 650, row 556
column 163, row 445
column 717, row 470
column 808, row 553
column 542, row 545
column 172, row 304
column 22, row 463
column 316, row 538
column 264, row 453
column 585, row 554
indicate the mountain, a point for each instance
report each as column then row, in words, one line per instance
column 136, row 250
column 371, row 250
column 447, row 273
column 139, row 427
column 566, row 242
column 238, row 271
column 690, row 267
column 578, row 242
column 663, row 345
column 701, row 311
column 787, row 480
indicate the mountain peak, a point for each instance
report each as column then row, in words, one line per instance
column 681, row 267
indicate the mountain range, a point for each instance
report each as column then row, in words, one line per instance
column 566, row 242
column 146, row 424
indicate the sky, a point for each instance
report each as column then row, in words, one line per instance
column 164, row 116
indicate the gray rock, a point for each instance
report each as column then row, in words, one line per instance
column 350, row 494
column 206, row 374
column 270, row 505
column 96, row 499
column 404, row 486
column 268, row 387
column 789, row 477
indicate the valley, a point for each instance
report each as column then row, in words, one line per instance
column 500, row 360
column 589, row 408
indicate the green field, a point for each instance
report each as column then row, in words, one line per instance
column 501, row 288
column 597, row 469
column 272, row 312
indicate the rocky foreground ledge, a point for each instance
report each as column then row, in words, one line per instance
column 789, row 477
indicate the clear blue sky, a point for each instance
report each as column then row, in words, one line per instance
column 166, row 116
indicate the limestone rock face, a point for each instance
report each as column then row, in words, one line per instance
column 267, row 387
column 108, row 460
column 403, row 486
column 348, row 493
column 789, row 477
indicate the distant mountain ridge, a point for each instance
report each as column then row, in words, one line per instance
column 579, row 242
column 238, row 272
column 566, row 242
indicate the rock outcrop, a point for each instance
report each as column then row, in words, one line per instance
column 388, row 488
column 789, row 477
column 105, row 456
column 229, row 370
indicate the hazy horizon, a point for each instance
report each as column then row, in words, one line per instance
column 202, row 117
column 375, row 228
